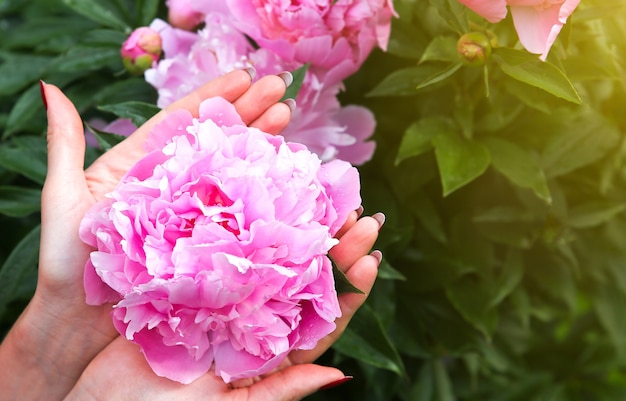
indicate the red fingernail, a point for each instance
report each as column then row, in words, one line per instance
column 359, row 211
column 337, row 382
column 251, row 71
column 43, row 93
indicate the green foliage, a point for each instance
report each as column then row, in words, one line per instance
column 504, row 271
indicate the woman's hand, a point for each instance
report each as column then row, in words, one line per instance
column 58, row 335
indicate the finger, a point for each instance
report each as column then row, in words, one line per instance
column 357, row 241
column 362, row 275
column 264, row 93
column 350, row 221
column 274, row 119
column 293, row 383
column 64, row 197
column 229, row 86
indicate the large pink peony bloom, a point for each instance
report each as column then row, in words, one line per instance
column 213, row 246
column 537, row 22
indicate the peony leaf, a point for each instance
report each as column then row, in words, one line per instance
column 105, row 139
column 147, row 11
column 518, row 165
column 594, row 213
column 95, row 11
column 460, row 160
column 365, row 339
column 403, row 82
column 25, row 110
column 19, row 268
column 19, row 71
column 137, row 112
column 19, row 201
column 342, row 284
column 417, row 139
column 441, row 48
column 26, row 156
column 440, row 75
column 298, row 78
column 527, row 68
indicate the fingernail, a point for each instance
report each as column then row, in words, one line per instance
column 380, row 218
column 378, row 255
column 43, row 93
column 251, row 71
column 337, row 382
column 359, row 211
column 290, row 103
column 287, row 77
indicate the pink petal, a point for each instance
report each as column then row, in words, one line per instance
column 492, row 10
column 538, row 27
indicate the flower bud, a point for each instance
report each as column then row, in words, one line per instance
column 141, row 49
column 474, row 48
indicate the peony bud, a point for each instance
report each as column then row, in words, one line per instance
column 141, row 49
column 474, row 48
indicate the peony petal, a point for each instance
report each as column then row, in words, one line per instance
column 491, row 10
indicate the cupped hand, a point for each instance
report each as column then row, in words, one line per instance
column 121, row 372
column 58, row 334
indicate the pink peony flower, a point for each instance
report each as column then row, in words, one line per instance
column 141, row 49
column 316, row 122
column 537, row 22
column 332, row 35
column 213, row 247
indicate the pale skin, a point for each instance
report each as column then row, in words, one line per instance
column 63, row 349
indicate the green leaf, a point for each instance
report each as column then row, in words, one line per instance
column 426, row 212
column 94, row 10
column 342, row 283
column 594, row 213
column 473, row 296
column 460, row 160
column 417, row 139
column 579, row 139
column 403, row 82
column 27, row 156
column 440, row 75
column 18, row 267
column 527, row 68
column 104, row 38
column 443, row 385
column 518, row 165
column 19, row 71
column 27, row 106
column 84, row 58
column 106, row 140
column 148, row 11
column 387, row 272
column 453, row 13
column 366, row 340
column 137, row 112
column 298, row 78
column 608, row 303
column 19, row 201
column 441, row 48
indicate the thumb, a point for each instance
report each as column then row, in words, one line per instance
column 66, row 139
column 296, row 382
column 65, row 197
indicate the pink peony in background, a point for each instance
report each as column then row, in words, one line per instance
column 537, row 22
column 207, row 39
column 213, row 247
